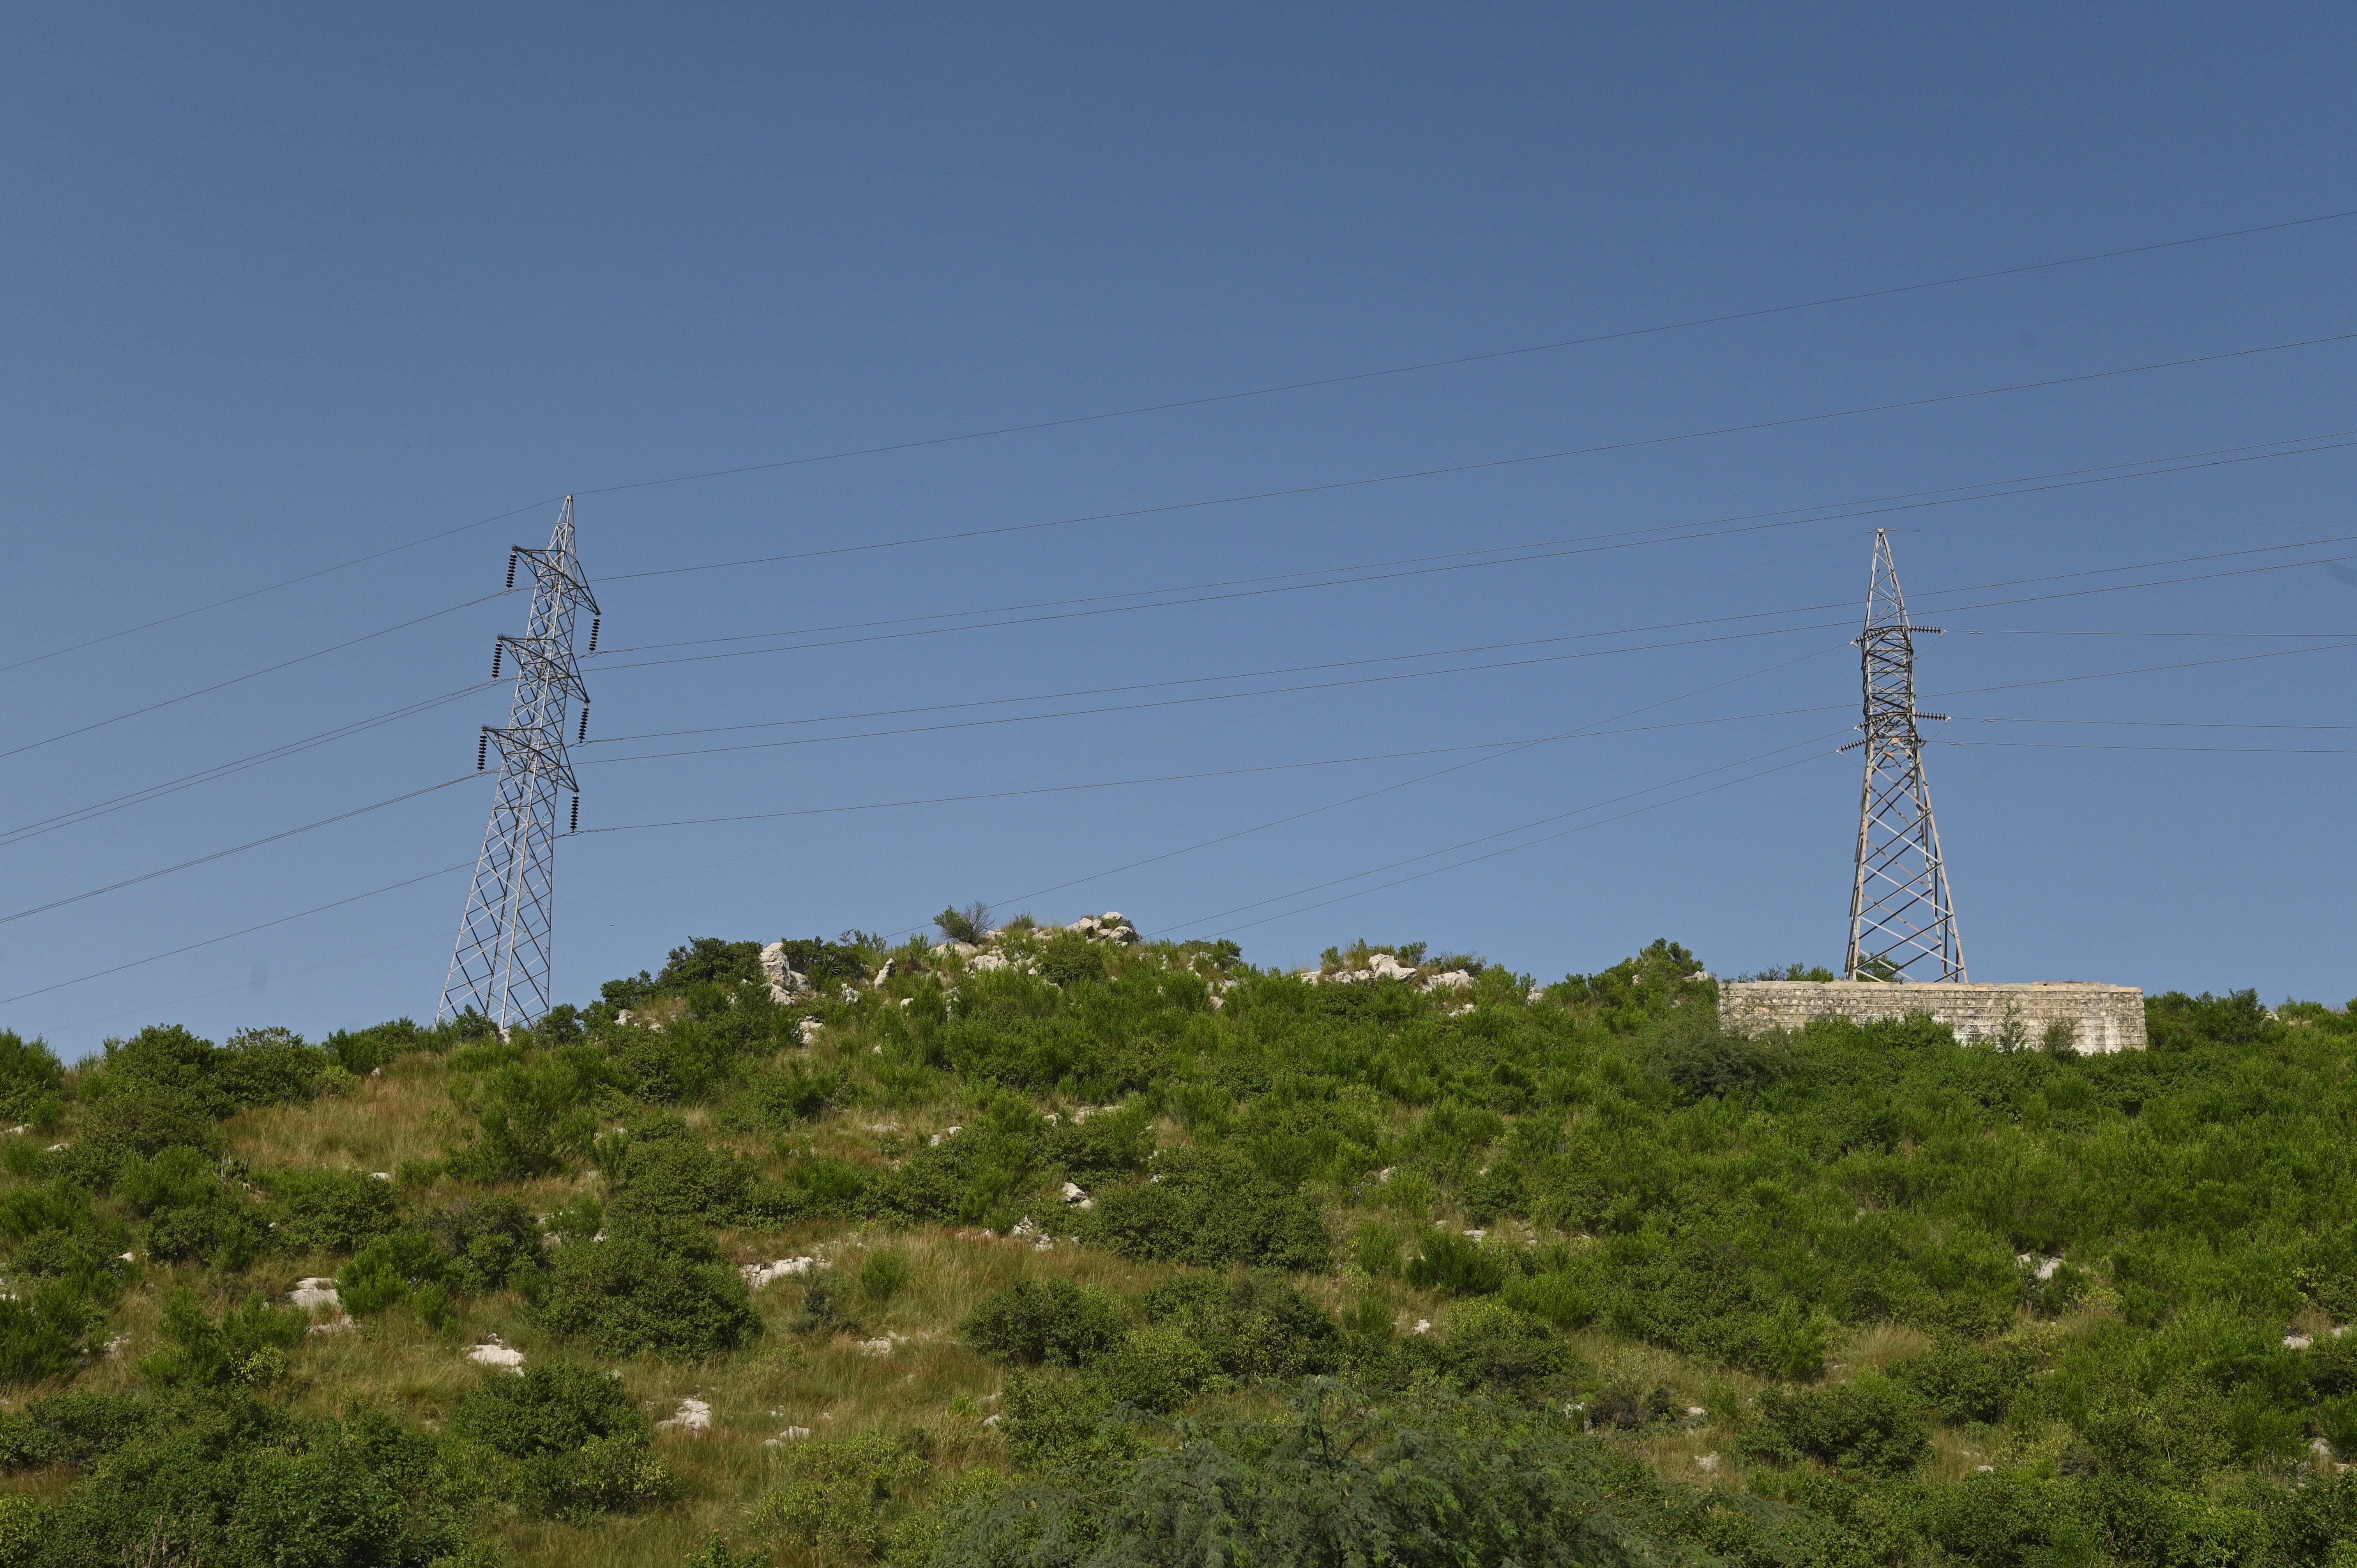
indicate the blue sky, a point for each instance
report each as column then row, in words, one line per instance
column 288, row 289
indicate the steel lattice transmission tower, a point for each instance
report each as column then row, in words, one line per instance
column 501, row 967
column 1902, row 921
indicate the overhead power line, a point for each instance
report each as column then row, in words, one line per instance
column 1634, row 444
column 1556, row 345
column 233, row 849
column 1524, row 741
column 233, row 936
column 1524, row 828
column 1455, row 560
column 249, row 675
column 222, row 771
column 1133, row 412
column 1400, row 658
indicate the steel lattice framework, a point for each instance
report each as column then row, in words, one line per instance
column 1902, row 921
column 500, row 967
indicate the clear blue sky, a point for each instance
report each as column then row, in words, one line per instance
column 283, row 288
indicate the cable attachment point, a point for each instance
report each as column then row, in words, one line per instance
column 483, row 748
column 593, row 633
column 577, row 816
column 498, row 649
column 513, row 553
column 584, row 734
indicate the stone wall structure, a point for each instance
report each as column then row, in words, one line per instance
column 2102, row 1017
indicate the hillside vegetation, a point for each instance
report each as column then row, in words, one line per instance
column 1052, row 1247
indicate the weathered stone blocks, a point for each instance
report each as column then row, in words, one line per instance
column 2103, row 1018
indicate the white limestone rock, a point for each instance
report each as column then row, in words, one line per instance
column 314, row 1291
column 784, row 983
column 492, row 1353
column 694, row 1419
column 760, row 1276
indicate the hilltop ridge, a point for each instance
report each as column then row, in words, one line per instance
column 1048, row 1244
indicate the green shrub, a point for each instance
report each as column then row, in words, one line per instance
column 484, row 1240
column 581, row 1442
column 824, row 1312
column 77, row 1427
column 1566, row 1299
column 1457, row 1264
column 383, row 1272
column 247, row 1346
column 331, row 1211
column 1375, row 1248
column 883, row 1275
column 1069, row 957
column 708, row 960
column 24, row 1527
column 1157, row 1369
column 684, row 1178
column 1868, row 1425
column 48, row 1332
column 838, row 1498
column 825, row 1185
column 191, row 1211
column 1210, row 1208
column 139, row 1117
column 1488, row 1345
column 1969, row 1383
column 1251, row 1326
column 654, row 1284
column 30, row 1079
column 1437, row 1485
column 1046, row 1323
column 269, row 1066
column 828, row 966
column 533, row 1119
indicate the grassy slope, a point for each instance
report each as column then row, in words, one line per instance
column 1870, row 1188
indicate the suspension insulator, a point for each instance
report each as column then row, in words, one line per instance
column 593, row 634
column 512, row 567
column 496, row 649
column 577, row 816
column 583, row 732
column 482, row 749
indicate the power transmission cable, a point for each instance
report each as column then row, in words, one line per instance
column 2092, row 745
column 465, row 864
column 1009, row 794
column 1496, row 354
column 1534, row 554
column 2141, row 670
column 1525, row 827
column 234, row 849
column 1515, row 848
column 1405, row 783
column 2145, row 724
column 233, row 936
column 252, row 675
column 1284, row 820
column 1633, row 444
column 1184, row 506
column 1461, row 559
column 222, row 771
column 1213, row 773
column 1555, row 346
column 1056, row 696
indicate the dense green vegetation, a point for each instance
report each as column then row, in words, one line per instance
column 1121, row 1253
